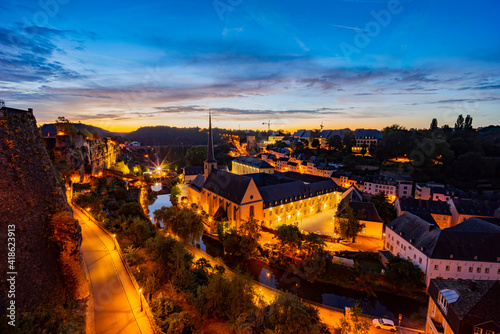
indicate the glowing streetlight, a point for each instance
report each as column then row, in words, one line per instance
column 140, row 297
column 114, row 241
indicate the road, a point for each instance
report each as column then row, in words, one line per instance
column 116, row 302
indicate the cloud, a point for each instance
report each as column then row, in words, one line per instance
column 29, row 52
column 246, row 112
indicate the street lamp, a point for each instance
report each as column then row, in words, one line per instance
column 140, row 297
column 114, row 241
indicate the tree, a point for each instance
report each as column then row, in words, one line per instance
column 249, row 235
column 132, row 209
column 349, row 224
column 403, row 273
column 2, row 103
column 315, row 143
column 196, row 155
column 334, row 143
column 171, row 260
column 226, row 298
column 95, row 135
column 174, row 194
column 288, row 315
column 468, row 123
column 64, row 126
column 132, row 255
column 354, row 323
column 314, row 259
column 348, row 141
column 384, row 208
column 85, row 133
column 289, row 236
column 184, row 223
column 459, row 125
column 122, row 167
column 434, row 124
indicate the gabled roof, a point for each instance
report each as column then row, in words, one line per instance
column 299, row 133
column 476, row 225
column 193, row 170
column 198, row 182
column 419, row 205
column 478, row 303
column 228, row 185
column 470, row 243
column 252, row 162
column 476, row 207
column 418, row 232
column 364, row 133
column 370, row 212
column 290, row 186
column 331, row 133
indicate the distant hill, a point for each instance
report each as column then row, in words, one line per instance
column 50, row 130
column 166, row 135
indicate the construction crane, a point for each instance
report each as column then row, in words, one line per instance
column 268, row 125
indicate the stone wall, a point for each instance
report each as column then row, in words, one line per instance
column 48, row 261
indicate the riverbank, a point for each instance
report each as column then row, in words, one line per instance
column 383, row 304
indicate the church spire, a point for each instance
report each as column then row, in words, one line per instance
column 210, row 164
column 210, row 145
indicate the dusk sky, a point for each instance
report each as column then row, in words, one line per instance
column 344, row 63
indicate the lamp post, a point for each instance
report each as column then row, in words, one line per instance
column 114, row 241
column 140, row 297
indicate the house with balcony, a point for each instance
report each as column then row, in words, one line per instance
column 463, row 307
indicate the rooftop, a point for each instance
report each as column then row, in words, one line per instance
column 252, row 162
column 419, row 205
column 469, row 242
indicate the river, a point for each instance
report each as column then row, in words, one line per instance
column 161, row 200
column 384, row 305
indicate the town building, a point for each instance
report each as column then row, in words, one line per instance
column 247, row 165
column 348, row 179
column 271, row 199
column 463, row 307
column 440, row 211
column 365, row 212
column 462, row 209
column 324, row 135
column 469, row 250
column 366, row 138
column 394, row 186
column 190, row 173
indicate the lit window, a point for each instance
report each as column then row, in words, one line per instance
column 489, row 332
column 447, row 268
column 486, row 270
column 478, row 270
column 420, row 260
column 436, row 267
column 470, row 269
column 478, row 330
column 459, row 268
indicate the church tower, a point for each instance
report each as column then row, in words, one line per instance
column 209, row 164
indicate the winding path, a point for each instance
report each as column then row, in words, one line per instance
column 117, row 305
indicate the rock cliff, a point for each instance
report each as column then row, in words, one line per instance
column 47, row 238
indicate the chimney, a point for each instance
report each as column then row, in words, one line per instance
column 472, row 285
column 30, row 109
